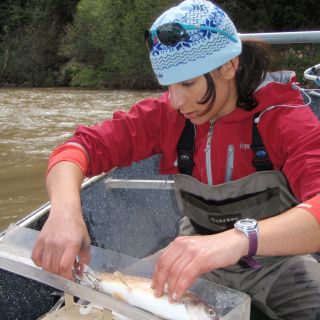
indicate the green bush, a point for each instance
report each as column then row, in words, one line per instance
column 108, row 36
column 86, row 76
column 297, row 57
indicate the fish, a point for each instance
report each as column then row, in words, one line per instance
column 137, row 292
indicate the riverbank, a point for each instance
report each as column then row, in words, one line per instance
column 296, row 57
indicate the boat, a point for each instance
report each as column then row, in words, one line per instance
column 130, row 213
column 137, row 201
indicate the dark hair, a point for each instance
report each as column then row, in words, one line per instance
column 254, row 63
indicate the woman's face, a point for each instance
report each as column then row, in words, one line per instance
column 185, row 97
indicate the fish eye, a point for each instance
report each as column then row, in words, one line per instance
column 212, row 312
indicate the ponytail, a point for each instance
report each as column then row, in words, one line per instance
column 253, row 65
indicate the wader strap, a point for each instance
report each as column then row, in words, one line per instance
column 261, row 160
column 185, row 149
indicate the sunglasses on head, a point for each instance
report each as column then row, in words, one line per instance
column 171, row 34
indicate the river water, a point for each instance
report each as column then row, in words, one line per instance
column 32, row 123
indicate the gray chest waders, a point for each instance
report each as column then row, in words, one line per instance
column 209, row 209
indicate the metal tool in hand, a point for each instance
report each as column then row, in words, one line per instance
column 84, row 275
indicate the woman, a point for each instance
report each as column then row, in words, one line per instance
column 248, row 150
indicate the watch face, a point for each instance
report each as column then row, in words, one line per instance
column 246, row 224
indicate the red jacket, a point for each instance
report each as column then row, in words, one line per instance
column 291, row 136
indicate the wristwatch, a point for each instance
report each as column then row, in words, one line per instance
column 250, row 228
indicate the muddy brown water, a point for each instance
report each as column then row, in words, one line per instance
column 32, row 123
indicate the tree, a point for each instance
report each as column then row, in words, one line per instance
column 105, row 43
column 273, row 15
column 30, row 38
column 101, row 42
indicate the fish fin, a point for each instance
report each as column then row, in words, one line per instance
column 119, row 296
column 120, row 276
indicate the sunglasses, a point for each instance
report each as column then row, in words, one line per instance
column 171, row 34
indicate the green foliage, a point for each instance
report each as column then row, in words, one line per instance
column 273, row 15
column 30, row 40
column 297, row 57
column 101, row 42
column 86, row 38
column 109, row 36
column 86, row 77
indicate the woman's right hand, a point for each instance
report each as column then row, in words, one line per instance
column 64, row 236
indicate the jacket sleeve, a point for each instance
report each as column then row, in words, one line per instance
column 293, row 137
column 128, row 137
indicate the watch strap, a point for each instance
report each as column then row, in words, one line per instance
column 253, row 243
column 253, row 246
column 251, row 262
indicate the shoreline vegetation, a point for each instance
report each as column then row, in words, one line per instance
column 100, row 43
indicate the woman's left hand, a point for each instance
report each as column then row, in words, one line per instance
column 187, row 257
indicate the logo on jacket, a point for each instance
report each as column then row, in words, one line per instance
column 224, row 220
column 261, row 154
column 244, row 146
column 184, row 157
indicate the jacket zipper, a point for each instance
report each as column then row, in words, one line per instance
column 230, row 163
column 208, row 155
